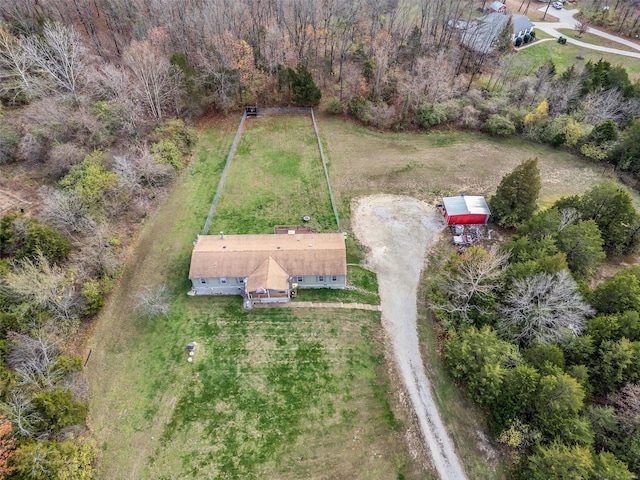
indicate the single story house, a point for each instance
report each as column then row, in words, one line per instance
column 498, row 7
column 267, row 268
column 465, row 210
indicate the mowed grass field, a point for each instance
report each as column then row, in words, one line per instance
column 274, row 393
column 444, row 163
column 283, row 393
column 565, row 55
column 276, row 178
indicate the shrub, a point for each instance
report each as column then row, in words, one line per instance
column 152, row 303
column 91, row 180
column 518, row 41
column 431, row 115
column 471, row 117
column 31, row 148
column 8, row 145
column 165, row 151
column 178, row 133
column 361, row 109
column 383, row 115
column 499, row 125
column 334, row 105
column 22, row 237
column 92, row 297
column 527, row 38
column 59, row 409
column 533, row 34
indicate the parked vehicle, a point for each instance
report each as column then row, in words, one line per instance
column 557, row 5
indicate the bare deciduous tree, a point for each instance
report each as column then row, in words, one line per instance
column 20, row 410
column 17, row 69
column 43, row 285
column 141, row 170
column 95, row 254
column 544, row 308
column 469, row 280
column 602, row 105
column 65, row 211
column 34, row 360
column 157, row 83
column 58, row 55
column 62, row 157
column 627, row 405
column 582, row 27
column 568, row 216
column 153, row 302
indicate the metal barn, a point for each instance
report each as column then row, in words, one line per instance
column 465, row 210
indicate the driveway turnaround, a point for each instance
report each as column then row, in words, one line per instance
column 398, row 232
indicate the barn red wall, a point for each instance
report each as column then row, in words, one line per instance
column 468, row 219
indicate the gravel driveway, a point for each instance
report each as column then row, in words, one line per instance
column 398, row 232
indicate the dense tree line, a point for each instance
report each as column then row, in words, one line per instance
column 105, row 143
column 555, row 363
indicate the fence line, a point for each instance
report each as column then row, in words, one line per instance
column 285, row 111
column 326, row 171
column 232, row 151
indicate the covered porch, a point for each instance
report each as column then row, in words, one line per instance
column 269, row 283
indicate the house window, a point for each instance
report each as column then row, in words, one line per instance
column 299, row 279
column 240, row 280
column 223, row 280
column 334, row 278
column 203, row 281
column 320, row 278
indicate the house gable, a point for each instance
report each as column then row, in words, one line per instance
column 268, row 276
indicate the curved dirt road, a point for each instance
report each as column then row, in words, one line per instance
column 398, row 232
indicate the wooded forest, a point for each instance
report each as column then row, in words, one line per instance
column 99, row 96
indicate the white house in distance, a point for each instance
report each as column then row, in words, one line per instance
column 483, row 34
column 266, row 268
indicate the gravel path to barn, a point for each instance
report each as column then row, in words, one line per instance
column 398, row 232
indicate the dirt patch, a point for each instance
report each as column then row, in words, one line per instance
column 398, row 232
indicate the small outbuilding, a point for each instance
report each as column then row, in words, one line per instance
column 465, row 210
column 498, row 7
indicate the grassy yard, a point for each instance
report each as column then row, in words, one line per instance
column 565, row 55
column 275, row 393
column 447, row 163
column 276, row 177
column 284, row 393
column 595, row 39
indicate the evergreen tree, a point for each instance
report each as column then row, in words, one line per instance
column 305, row 90
column 516, row 197
column 611, row 207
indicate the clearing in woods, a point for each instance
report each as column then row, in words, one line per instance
column 282, row 393
column 272, row 393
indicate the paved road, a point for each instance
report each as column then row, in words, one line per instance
column 567, row 21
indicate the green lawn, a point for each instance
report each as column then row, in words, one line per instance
column 285, row 393
column 275, row 178
column 595, row 39
column 565, row 55
column 273, row 393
